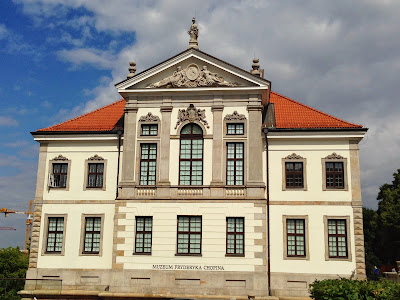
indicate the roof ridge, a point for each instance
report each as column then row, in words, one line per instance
column 316, row 110
column 81, row 116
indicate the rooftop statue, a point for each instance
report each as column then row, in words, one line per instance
column 194, row 34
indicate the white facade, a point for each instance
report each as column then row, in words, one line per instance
column 115, row 268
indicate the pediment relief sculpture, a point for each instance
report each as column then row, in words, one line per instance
column 235, row 116
column 192, row 114
column 294, row 156
column 95, row 157
column 192, row 77
column 60, row 157
column 334, row 156
column 149, row 118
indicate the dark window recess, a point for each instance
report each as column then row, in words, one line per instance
column 60, row 172
column 143, row 239
column 235, row 164
column 150, row 129
column 334, row 175
column 148, row 162
column 294, row 175
column 235, row 236
column 191, row 155
column 295, row 232
column 95, row 175
column 235, row 129
column 337, row 238
column 189, row 235
column 92, row 235
column 55, row 235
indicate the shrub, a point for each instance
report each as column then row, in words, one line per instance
column 346, row 289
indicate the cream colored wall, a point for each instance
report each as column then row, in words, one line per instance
column 213, row 234
column 72, row 258
column 317, row 263
column 313, row 150
column 77, row 153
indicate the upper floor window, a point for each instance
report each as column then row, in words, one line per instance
column 235, row 128
column 148, row 162
column 337, row 238
column 234, row 164
column 191, row 155
column 60, row 171
column 334, row 175
column 95, row 175
column 294, row 174
column 149, row 129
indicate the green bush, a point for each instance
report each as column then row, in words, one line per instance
column 346, row 289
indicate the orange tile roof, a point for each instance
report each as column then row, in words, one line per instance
column 102, row 119
column 288, row 114
column 293, row 114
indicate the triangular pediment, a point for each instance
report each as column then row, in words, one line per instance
column 192, row 69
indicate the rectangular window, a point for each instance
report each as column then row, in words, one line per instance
column 334, row 175
column 55, row 235
column 143, row 239
column 95, row 175
column 235, row 236
column 191, row 162
column 235, row 129
column 60, row 174
column 150, row 129
column 92, row 235
column 189, row 235
column 235, row 164
column 295, row 237
column 148, row 161
column 294, row 174
column 337, row 238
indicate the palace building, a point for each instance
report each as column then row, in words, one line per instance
column 200, row 183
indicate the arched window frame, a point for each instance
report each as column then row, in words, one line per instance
column 191, row 137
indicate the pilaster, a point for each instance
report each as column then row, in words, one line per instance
column 255, row 142
column 217, row 110
column 128, row 160
column 357, row 209
column 165, row 131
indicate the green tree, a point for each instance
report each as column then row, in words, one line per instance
column 371, row 242
column 13, row 264
column 389, row 220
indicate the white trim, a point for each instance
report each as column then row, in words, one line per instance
column 316, row 135
column 197, row 90
column 75, row 137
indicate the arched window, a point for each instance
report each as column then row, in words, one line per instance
column 191, row 155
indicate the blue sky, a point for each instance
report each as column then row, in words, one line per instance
column 61, row 58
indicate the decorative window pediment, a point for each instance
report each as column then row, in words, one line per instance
column 334, row 156
column 235, row 116
column 60, row 157
column 192, row 114
column 191, row 77
column 294, row 156
column 149, row 118
column 95, row 157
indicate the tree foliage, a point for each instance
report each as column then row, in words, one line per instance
column 13, row 264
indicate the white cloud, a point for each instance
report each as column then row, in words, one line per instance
column 340, row 56
column 8, row 121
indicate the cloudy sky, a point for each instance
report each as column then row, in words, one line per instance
column 61, row 58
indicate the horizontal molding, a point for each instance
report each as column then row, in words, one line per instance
column 334, row 203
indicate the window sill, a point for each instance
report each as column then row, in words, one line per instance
column 188, row 254
column 90, row 254
column 135, row 253
column 296, row 258
column 234, row 255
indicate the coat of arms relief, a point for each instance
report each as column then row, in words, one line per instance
column 192, row 77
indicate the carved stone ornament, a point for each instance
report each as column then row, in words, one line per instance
column 95, row 157
column 149, row 118
column 235, row 116
column 192, row 114
column 334, row 156
column 294, row 156
column 60, row 157
column 192, row 77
